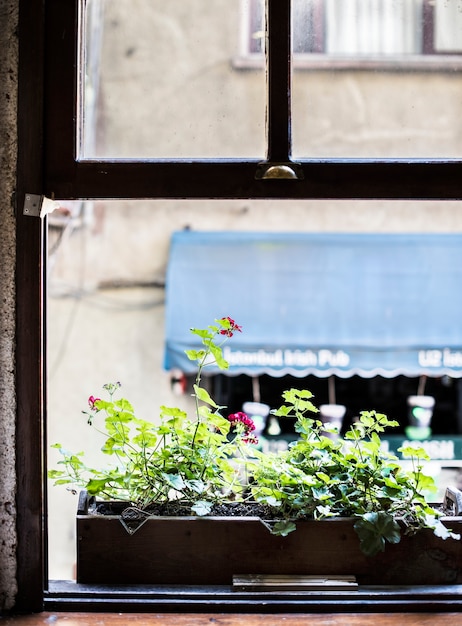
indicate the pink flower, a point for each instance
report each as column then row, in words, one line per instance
column 232, row 327
column 253, row 439
column 92, row 402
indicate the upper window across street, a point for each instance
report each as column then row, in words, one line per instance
column 368, row 28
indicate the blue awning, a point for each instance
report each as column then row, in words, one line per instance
column 367, row 304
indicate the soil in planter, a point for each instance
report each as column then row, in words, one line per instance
column 177, row 508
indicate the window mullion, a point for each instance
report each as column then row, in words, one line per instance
column 278, row 59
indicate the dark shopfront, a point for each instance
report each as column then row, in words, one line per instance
column 385, row 395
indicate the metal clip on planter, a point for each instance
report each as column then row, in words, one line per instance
column 132, row 518
column 86, row 503
column 453, row 500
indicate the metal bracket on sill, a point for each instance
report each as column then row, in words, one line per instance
column 453, row 500
column 36, row 205
column 279, row 171
column 283, row 582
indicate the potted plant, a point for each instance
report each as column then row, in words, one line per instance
column 192, row 500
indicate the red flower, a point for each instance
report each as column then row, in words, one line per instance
column 92, row 401
column 244, row 424
column 232, row 327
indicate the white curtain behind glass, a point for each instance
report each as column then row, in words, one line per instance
column 373, row 27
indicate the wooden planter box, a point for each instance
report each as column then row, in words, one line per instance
column 211, row 550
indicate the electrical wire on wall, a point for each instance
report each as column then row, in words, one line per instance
column 75, row 217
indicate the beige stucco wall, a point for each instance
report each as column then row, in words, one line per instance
column 8, row 145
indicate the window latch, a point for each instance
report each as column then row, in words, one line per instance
column 279, row 171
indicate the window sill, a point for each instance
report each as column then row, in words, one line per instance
column 70, row 596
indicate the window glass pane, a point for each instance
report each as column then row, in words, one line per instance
column 106, row 315
column 378, row 109
column 161, row 81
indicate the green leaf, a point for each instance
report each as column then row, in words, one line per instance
column 283, row 528
column 322, row 494
column 203, row 333
column 283, row 411
column 96, row 486
column 222, row 424
column 52, row 473
column 218, row 356
column 204, row 396
column 202, row 508
column 196, row 485
column 124, row 405
column 111, row 446
column 195, row 355
column 175, row 480
column 270, row 500
column 440, row 529
column 172, row 411
column 425, row 483
column 324, row 511
column 374, row 529
column 414, row 452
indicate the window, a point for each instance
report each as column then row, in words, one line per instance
column 58, row 168
column 370, row 28
column 67, row 175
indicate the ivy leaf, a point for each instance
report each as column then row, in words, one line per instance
column 440, row 529
column 174, row 480
column 202, row 508
column 324, row 511
column 374, row 529
column 283, row 528
column 264, row 495
column 196, row 485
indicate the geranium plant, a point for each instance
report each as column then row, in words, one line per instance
column 188, row 460
column 209, row 459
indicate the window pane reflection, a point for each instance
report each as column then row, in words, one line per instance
column 384, row 81
column 161, row 82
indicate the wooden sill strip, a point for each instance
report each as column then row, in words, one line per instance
column 70, row 596
column 242, row 619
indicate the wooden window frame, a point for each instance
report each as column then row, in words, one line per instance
column 65, row 177
column 47, row 165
